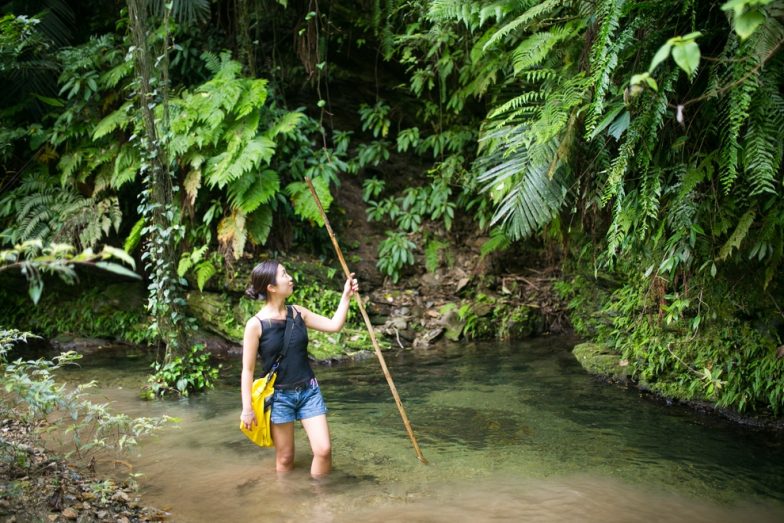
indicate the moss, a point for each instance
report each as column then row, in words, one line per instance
column 215, row 312
column 598, row 359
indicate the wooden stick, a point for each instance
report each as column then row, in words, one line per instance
column 380, row 356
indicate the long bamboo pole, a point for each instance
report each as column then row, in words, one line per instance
column 380, row 356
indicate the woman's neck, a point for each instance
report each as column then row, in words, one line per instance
column 275, row 307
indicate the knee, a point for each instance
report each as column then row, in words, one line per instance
column 285, row 459
column 323, row 451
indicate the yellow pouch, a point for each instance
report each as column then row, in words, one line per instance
column 261, row 393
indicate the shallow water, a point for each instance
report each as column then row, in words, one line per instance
column 512, row 432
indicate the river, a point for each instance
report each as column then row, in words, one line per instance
column 513, row 432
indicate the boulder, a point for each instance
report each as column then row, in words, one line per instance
column 599, row 359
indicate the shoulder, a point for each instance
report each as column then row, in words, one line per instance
column 299, row 309
column 253, row 325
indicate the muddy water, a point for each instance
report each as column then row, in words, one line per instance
column 512, row 432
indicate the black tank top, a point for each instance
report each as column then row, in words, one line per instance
column 295, row 367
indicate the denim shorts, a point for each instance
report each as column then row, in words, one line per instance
column 297, row 404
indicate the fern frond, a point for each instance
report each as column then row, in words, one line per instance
column 604, row 56
column 534, row 49
column 126, row 165
column 119, row 119
column 735, row 109
column 224, row 168
column 465, row 12
column 252, row 98
column 517, row 102
column 259, row 225
column 232, row 234
column 537, row 10
column 253, row 189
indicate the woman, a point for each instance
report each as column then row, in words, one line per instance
column 297, row 395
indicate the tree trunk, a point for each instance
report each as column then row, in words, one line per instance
column 157, row 201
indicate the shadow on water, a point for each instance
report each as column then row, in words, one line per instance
column 513, row 431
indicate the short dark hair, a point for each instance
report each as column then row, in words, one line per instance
column 262, row 275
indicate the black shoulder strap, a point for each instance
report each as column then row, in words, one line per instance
column 287, row 335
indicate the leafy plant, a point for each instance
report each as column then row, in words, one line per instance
column 32, row 393
column 182, row 374
column 33, row 259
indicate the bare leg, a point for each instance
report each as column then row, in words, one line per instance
column 283, row 436
column 318, row 435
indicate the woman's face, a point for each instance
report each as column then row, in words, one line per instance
column 285, row 283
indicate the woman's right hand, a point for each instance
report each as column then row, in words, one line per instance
column 248, row 419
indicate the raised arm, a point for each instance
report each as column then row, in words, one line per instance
column 334, row 324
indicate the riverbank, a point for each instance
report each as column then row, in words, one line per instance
column 36, row 485
column 609, row 367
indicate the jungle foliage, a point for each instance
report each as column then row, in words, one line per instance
column 644, row 140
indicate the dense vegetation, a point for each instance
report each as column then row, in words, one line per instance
column 641, row 140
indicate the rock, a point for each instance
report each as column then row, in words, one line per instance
column 398, row 323
column 462, row 282
column 483, row 309
column 452, row 324
column 599, row 359
column 70, row 513
column 101, row 514
column 123, row 520
column 212, row 310
column 86, row 346
column 429, row 280
column 426, row 338
column 120, row 496
column 407, row 335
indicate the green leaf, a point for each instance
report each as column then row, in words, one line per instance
column 660, row 56
column 687, row 56
column 738, row 235
column 747, row 23
column 108, row 250
column 134, row 236
column 117, row 269
column 54, row 102
column 620, row 125
column 35, row 289
column 126, row 165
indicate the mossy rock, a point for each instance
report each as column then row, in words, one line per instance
column 599, row 359
column 522, row 321
column 324, row 346
column 216, row 313
column 453, row 325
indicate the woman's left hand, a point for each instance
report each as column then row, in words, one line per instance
column 351, row 286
